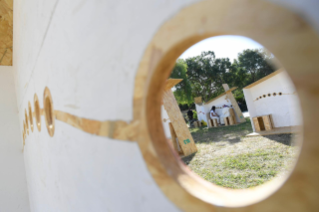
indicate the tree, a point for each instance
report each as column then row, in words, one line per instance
column 204, row 74
column 257, row 63
column 183, row 92
column 207, row 74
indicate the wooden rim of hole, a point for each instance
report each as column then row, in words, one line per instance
column 37, row 112
column 48, row 111
column 283, row 33
column 30, row 116
column 26, row 120
column 24, row 128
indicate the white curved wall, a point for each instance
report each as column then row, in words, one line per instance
column 13, row 183
column 87, row 52
column 285, row 109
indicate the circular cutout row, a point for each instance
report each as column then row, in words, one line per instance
column 47, row 111
column 269, row 95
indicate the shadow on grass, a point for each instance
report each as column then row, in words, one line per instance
column 286, row 139
column 188, row 158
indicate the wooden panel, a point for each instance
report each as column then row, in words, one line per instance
column 232, row 114
column 215, row 124
column 185, row 139
column 233, row 101
column 267, row 123
column 174, row 138
column 261, row 123
column 198, row 100
column 226, row 121
column 170, row 83
column 231, row 120
column 256, row 124
column 209, row 123
column 6, row 32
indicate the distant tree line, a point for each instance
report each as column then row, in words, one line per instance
column 204, row 74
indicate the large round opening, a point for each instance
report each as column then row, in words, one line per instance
column 230, row 139
column 37, row 112
column 48, row 111
column 296, row 47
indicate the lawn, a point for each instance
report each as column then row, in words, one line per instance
column 228, row 158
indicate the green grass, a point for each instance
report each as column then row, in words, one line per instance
column 228, row 158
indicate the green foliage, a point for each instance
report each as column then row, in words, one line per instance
column 183, row 92
column 207, row 74
column 195, row 115
column 204, row 74
column 255, row 64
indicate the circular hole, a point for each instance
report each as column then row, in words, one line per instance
column 26, row 121
column 225, row 161
column 274, row 94
column 30, row 116
column 48, row 111
column 279, row 93
column 37, row 112
column 269, row 94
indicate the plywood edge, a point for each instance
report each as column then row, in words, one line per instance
column 170, row 83
column 230, row 90
column 265, row 78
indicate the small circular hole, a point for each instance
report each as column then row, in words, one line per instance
column 30, row 116
column 260, row 97
column 26, row 121
column 264, row 95
column 279, row 93
column 269, row 94
column 274, row 94
column 37, row 112
column 48, row 111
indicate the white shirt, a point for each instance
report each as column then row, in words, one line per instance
column 213, row 113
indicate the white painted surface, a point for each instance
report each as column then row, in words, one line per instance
column 285, row 109
column 13, row 183
column 87, row 52
column 204, row 109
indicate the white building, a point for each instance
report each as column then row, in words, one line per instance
column 219, row 101
column 274, row 94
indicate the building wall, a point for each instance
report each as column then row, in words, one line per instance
column 202, row 110
column 13, row 183
column 87, row 52
column 285, row 109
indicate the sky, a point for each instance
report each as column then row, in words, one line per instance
column 223, row 46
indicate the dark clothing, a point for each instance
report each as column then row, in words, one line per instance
column 190, row 114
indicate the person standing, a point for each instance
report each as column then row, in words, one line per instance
column 190, row 115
